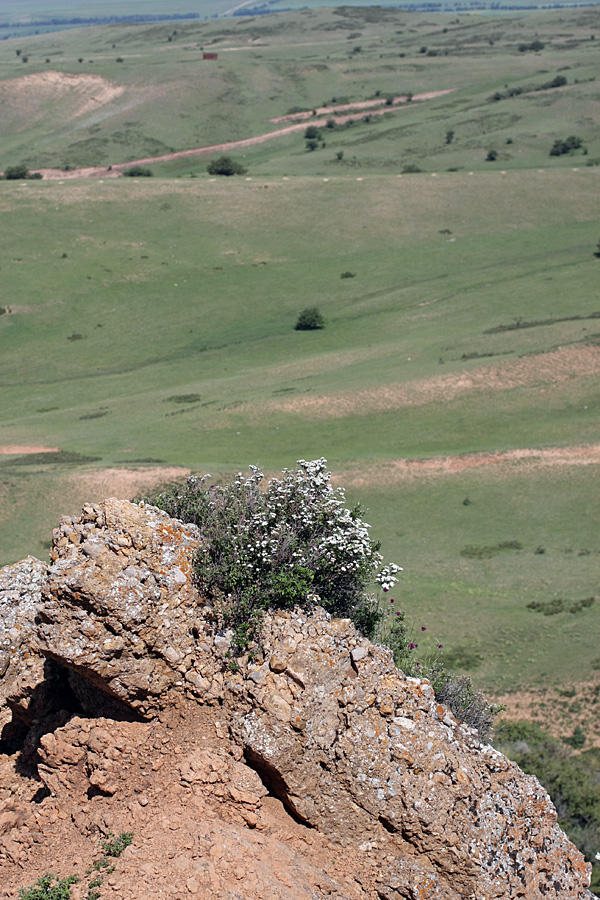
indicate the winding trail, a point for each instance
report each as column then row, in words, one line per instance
column 339, row 114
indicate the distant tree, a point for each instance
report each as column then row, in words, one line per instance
column 138, row 171
column 225, row 165
column 449, row 136
column 330, row 123
column 18, row 52
column 339, row 155
column 309, row 319
column 492, row 156
column 561, row 147
column 312, row 145
column 312, row 133
column 16, row 173
column 597, row 252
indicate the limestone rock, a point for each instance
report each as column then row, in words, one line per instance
column 21, row 666
column 392, row 795
column 119, row 604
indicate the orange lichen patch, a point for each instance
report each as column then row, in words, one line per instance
column 17, row 450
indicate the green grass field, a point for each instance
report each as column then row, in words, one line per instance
column 147, row 324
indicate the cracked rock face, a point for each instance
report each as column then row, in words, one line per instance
column 324, row 721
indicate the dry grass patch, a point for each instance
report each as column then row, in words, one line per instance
column 544, row 369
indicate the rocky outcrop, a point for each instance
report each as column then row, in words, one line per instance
column 320, row 731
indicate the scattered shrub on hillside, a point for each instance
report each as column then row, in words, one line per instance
column 309, row 319
column 568, row 145
column 534, row 46
column 597, row 251
column 312, row 145
column 410, row 169
column 225, row 165
column 16, row 173
column 312, row 133
column 138, row 171
column 449, row 136
column 348, row 275
column 492, row 156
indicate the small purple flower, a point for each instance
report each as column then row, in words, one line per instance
column 440, row 646
column 385, row 590
column 399, row 614
column 392, row 600
column 423, row 628
column 412, row 646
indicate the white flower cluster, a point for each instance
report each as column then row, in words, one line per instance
column 290, row 542
column 386, row 578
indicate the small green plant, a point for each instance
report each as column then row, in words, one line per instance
column 49, row 887
column 309, row 319
column 114, row 846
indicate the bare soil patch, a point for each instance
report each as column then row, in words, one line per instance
column 558, row 710
column 392, row 471
column 16, row 450
column 26, row 99
column 123, row 482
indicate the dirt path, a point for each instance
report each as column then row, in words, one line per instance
column 338, row 113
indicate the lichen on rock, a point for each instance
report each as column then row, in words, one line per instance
column 368, row 765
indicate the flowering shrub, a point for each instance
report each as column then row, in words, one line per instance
column 293, row 543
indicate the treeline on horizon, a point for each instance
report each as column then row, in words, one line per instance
column 102, row 20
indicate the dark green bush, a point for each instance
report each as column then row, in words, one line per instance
column 309, row 319
column 568, row 145
column 18, row 172
column 225, row 165
column 138, row 171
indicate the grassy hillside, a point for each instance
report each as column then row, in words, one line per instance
column 73, row 104
column 147, row 326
